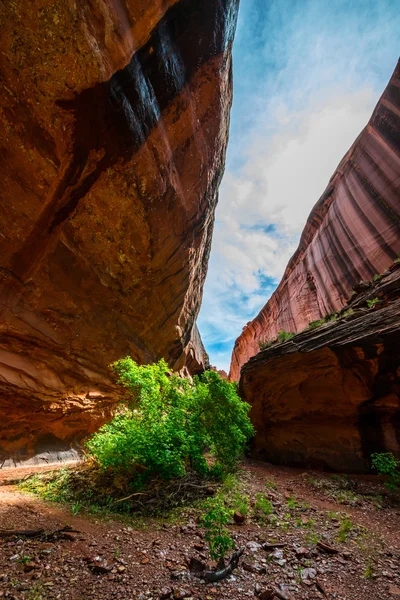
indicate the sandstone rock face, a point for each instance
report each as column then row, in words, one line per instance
column 330, row 396
column 352, row 233
column 113, row 125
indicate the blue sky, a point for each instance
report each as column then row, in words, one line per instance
column 307, row 75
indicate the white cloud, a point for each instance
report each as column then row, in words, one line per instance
column 307, row 75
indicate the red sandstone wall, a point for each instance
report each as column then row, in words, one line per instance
column 114, row 120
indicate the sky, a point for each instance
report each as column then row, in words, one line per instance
column 307, row 75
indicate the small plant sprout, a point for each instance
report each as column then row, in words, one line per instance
column 264, row 344
column 346, row 526
column 372, row 302
column 369, row 570
column 315, row 324
column 214, row 522
column 292, row 503
column 24, row 559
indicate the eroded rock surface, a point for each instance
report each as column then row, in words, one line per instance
column 113, row 125
column 352, row 233
column 330, row 396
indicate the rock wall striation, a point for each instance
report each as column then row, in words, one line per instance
column 352, row 233
column 330, row 396
column 114, row 120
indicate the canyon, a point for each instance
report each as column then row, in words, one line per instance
column 352, row 233
column 113, row 128
column 326, row 392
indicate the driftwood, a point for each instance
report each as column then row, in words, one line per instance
column 37, row 533
column 197, row 568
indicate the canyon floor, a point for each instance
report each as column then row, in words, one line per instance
column 326, row 537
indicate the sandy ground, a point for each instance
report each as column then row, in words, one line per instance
column 151, row 562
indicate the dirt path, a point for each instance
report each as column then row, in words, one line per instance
column 151, row 562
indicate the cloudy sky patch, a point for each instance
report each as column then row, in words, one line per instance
column 307, row 75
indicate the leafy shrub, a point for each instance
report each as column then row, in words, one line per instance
column 263, row 345
column 371, row 303
column 214, row 522
column 315, row 324
column 284, row 336
column 377, row 277
column 387, row 464
column 168, row 423
column 262, row 506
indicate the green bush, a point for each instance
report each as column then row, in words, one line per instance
column 387, row 464
column 315, row 324
column 284, row 336
column 169, row 423
column 214, row 522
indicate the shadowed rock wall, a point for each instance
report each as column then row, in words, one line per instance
column 330, row 396
column 352, row 233
column 113, row 125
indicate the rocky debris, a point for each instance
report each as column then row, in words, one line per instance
column 115, row 149
column 330, row 396
column 99, row 565
column 238, row 517
column 351, row 234
column 110, row 559
column 254, row 568
column 326, row 548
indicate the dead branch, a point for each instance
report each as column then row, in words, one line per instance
column 212, row 576
column 40, row 533
column 131, row 496
column 21, row 532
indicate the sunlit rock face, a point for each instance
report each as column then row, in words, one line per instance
column 352, row 233
column 330, row 397
column 113, row 125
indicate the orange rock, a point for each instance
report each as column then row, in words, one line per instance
column 114, row 126
column 326, row 398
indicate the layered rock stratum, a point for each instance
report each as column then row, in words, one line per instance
column 330, row 396
column 352, row 233
column 114, row 120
